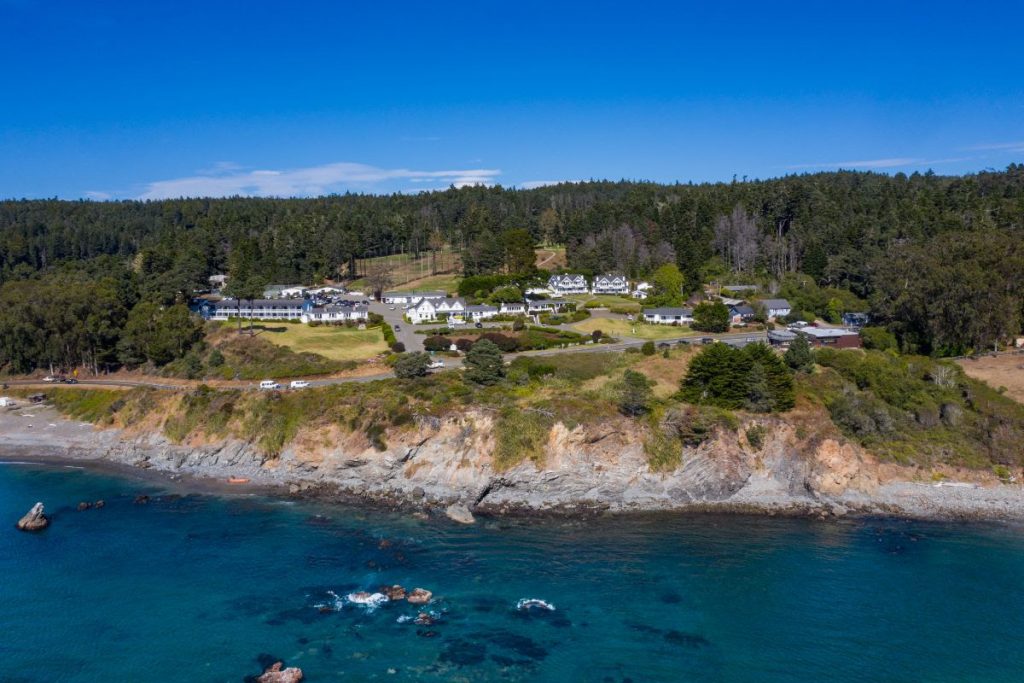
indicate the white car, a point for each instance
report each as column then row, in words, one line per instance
column 51, row 379
column 435, row 364
column 298, row 384
column 269, row 384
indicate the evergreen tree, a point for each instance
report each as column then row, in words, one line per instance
column 412, row 365
column 634, row 393
column 484, row 364
column 711, row 316
column 799, row 356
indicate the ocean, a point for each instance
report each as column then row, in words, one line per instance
column 213, row 587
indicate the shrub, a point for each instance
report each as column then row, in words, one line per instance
column 398, row 347
column 412, row 365
column 437, row 343
column 596, row 335
column 878, row 338
column 484, row 364
column 711, row 316
column 648, row 349
column 755, row 436
column 504, row 342
column 464, row 344
column 799, row 356
column 216, row 359
column 634, row 393
column 389, row 334
column 519, row 324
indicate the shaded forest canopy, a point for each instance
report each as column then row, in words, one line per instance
column 890, row 240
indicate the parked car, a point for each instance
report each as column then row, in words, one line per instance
column 391, row 308
column 51, row 379
column 799, row 325
column 298, row 384
column 435, row 364
column 70, row 380
column 269, row 384
column 397, row 328
column 707, row 340
column 479, row 326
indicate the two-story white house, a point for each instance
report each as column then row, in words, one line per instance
column 610, row 283
column 568, row 284
column 546, row 306
column 431, row 310
column 668, row 316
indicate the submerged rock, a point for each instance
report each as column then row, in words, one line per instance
column 460, row 513
column 277, row 674
column 84, row 505
column 419, row 596
column 141, row 499
column 34, row 519
column 99, row 503
column 395, row 592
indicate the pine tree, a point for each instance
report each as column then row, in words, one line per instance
column 799, row 356
column 484, row 364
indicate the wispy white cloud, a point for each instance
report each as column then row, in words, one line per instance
column 533, row 184
column 97, row 195
column 225, row 181
column 998, row 147
column 866, row 163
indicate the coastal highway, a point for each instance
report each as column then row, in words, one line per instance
column 734, row 339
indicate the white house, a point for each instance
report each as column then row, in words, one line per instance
column 517, row 308
column 482, row 312
column 410, row 298
column 610, row 283
column 334, row 313
column 643, row 290
column 429, row 309
column 568, row 284
column 217, row 281
column 327, row 290
column 668, row 316
column 284, row 292
column 776, row 308
column 546, row 305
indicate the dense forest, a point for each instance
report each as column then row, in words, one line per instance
column 937, row 258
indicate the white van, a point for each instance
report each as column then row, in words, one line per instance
column 436, row 364
column 298, row 384
column 269, row 384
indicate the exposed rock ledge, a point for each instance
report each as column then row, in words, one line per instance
column 448, row 462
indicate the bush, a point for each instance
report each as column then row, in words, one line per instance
column 596, row 335
column 464, row 344
column 755, row 436
column 437, row 343
column 389, row 334
column 519, row 325
column 504, row 342
column 484, row 364
column 216, row 359
column 634, row 393
column 799, row 356
column 878, row 338
column 412, row 365
column 398, row 347
column 648, row 349
column 753, row 377
column 711, row 316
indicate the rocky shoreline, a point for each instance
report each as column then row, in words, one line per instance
column 445, row 466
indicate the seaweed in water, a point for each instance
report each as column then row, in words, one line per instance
column 691, row 640
column 463, row 652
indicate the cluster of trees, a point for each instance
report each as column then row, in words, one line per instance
column 95, row 315
column 753, row 378
column 890, row 240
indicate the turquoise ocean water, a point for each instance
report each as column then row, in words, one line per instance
column 205, row 588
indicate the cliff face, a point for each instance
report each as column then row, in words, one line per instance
column 606, row 468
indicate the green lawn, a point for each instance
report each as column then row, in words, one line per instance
column 446, row 283
column 336, row 343
column 626, row 328
column 606, row 300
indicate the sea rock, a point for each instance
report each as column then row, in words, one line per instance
column 460, row 513
column 419, row 596
column 84, row 505
column 99, row 503
column 395, row 592
column 423, row 619
column 141, row 500
column 277, row 674
column 34, row 519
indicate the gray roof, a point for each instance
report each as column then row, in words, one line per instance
column 260, row 303
column 481, row 308
column 743, row 310
column 669, row 310
column 740, row 288
column 781, row 335
column 775, row 303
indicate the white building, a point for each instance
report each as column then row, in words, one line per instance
column 517, row 308
column 668, row 316
column 335, row 313
column 610, row 283
column 410, row 298
column 256, row 309
column 284, row 292
column 546, row 305
column 482, row 312
column 431, row 310
column 776, row 308
column 568, row 284
column 643, row 290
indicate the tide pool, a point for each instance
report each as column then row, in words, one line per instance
column 207, row 588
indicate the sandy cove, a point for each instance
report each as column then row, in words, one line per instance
column 446, row 461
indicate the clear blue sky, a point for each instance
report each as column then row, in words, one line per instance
column 136, row 99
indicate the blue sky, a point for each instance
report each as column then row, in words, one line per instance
column 151, row 99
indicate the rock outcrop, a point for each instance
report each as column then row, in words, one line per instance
column 34, row 519
column 419, row 596
column 458, row 512
column 278, row 674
